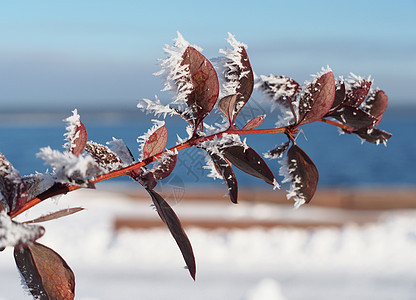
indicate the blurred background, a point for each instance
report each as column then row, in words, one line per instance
column 99, row 57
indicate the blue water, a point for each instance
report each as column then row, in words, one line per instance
column 342, row 160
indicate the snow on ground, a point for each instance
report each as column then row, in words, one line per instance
column 374, row 261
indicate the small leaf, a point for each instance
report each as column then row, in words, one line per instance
column 373, row 135
column 156, row 142
column 224, row 169
column 103, row 156
column 76, row 134
column 354, row 117
column 80, row 139
column 247, row 160
column 357, row 93
column 165, row 167
column 45, row 272
column 205, row 84
column 226, row 105
column 339, row 94
column 280, row 89
column 13, row 191
column 278, row 151
column 317, row 99
column 302, row 173
column 144, row 177
column 169, row 217
column 376, row 105
column 254, row 123
column 56, row 215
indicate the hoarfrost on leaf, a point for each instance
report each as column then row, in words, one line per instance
column 156, row 108
column 143, row 138
column 120, row 148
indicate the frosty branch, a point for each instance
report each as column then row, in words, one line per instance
column 348, row 104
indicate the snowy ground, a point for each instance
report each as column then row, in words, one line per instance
column 375, row 261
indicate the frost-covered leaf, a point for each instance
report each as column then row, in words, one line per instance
column 45, row 272
column 169, row 217
column 254, row 123
column 376, row 104
column 13, row 191
column 248, row 161
column 56, row 215
column 205, row 86
column 301, row 172
column 281, row 90
column 164, row 166
column 223, row 167
column 156, row 142
column 15, row 234
column 354, row 117
column 357, row 90
column 226, row 105
column 373, row 135
column 317, row 99
column 76, row 134
column 37, row 184
column 69, row 168
column 119, row 147
column 238, row 75
column 103, row 156
column 339, row 94
column 278, row 151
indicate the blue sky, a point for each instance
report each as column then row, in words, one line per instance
column 103, row 53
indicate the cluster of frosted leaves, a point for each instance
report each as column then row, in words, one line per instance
column 351, row 103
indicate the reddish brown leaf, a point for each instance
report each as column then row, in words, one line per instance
column 224, row 169
column 165, row 168
column 376, row 105
column 13, row 191
column 156, row 142
column 205, row 84
column 356, row 95
column 373, row 135
column 247, row 160
column 354, row 117
column 56, row 215
column 317, row 99
column 339, row 95
column 254, row 123
column 304, row 174
column 169, row 217
column 45, row 272
column 79, row 140
column 226, row 105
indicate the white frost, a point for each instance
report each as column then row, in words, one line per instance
column 143, row 138
column 286, row 170
column 73, row 122
column 119, row 147
column 156, row 108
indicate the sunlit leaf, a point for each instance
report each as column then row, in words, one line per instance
column 254, row 123
column 103, row 156
column 79, row 140
column 13, row 191
column 205, row 84
column 169, row 217
column 226, row 105
column 247, row 160
column 45, row 272
column 302, row 173
column 156, row 142
column 317, row 99
column 224, row 168
column 56, row 215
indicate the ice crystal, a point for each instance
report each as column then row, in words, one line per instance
column 287, row 170
column 71, row 134
column 156, row 108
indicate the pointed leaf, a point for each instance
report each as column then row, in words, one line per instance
column 376, row 105
column 80, row 139
column 103, row 156
column 278, row 151
column 205, row 84
column 76, row 134
column 224, row 169
column 354, row 117
column 169, row 217
column 373, row 135
column 317, row 99
column 357, row 93
column 13, row 191
column 303, row 175
column 156, row 142
column 166, row 166
column 226, row 105
column 254, row 123
column 339, row 94
column 45, row 272
column 16, row 234
column 247, row 160
column 56, row 215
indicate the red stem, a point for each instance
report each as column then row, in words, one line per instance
column 59, row 189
